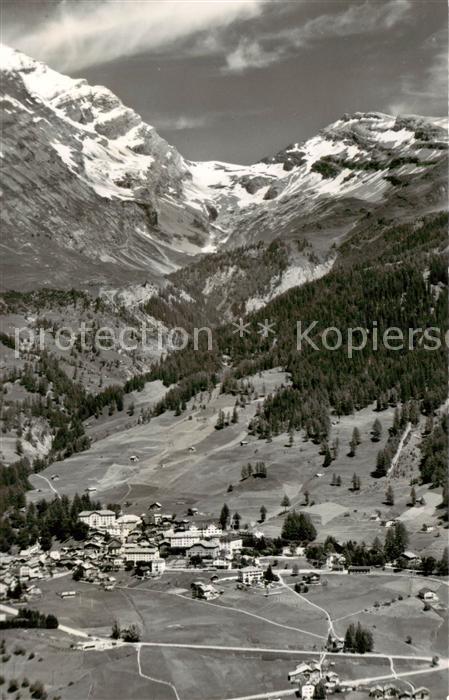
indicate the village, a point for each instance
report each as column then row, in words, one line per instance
column 147, row 546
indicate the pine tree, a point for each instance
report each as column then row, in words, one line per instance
column 327, row 457
column 335, row 448
column 376, row 432
column 236, row 518
column 306, row 498
column 298, row 527
column 381, row 463
column 319, row 692
column 220, row 424
column 389, row 496
column 390, row 545
column 116, row 632
column 285, row 503
column 338, row 480
column 244, row 472
column 401, row 538
column 349, row 642
column 235, row 415
column 263, row 514
column 443, row 565
column 354, row 442
column 224, row 517
column 413, row 496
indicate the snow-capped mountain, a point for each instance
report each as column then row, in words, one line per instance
column 95, row 195
column 354, row 166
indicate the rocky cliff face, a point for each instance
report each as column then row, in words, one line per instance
column 94, row 196
column 90, row 192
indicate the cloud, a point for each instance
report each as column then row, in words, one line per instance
column 357, row 19
column 250, row 54
column 182, row 122
column 93, row 32
column 364, row 18
column 428, row 94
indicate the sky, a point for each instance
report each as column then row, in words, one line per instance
column 237, row 80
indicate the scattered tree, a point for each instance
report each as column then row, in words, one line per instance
column 224, row 517
column 285, row 503
column 376, row 432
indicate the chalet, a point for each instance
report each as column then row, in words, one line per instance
column 92, row 548
column 203, row 591
column 421, row 694
column 312, row 579
column 335, row 561
column 427, row 594
column 155, row 506
column 250, row 575
column 221, row 563
column 411, row 558
column 301, row 670
column 405, row 695
column 114, row 547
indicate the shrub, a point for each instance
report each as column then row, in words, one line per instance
column 37, row 690
column 13, row 685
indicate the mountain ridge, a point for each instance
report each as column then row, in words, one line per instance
column 95, row 195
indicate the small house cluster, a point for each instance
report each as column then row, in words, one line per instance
column 307, row 675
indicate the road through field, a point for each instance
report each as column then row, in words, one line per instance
column 47, row 481
column 154, row 680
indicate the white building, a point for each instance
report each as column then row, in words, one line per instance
column 210, row 530
column 157, row 566
column 182, row 539
column 98, row 519
column 307, row 691
column 126, row 524
column 232, row 545
column 136, row 552
column 250, row 575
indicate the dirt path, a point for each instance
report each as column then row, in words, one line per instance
column 48, row 482
column 154, row 680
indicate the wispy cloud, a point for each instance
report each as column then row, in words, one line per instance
column 364, row 18
column 428, row 94
column 92, row 32
column 182, row 122
column 357, row 19
column 250, row 54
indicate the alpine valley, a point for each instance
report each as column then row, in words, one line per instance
column 135, row 467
